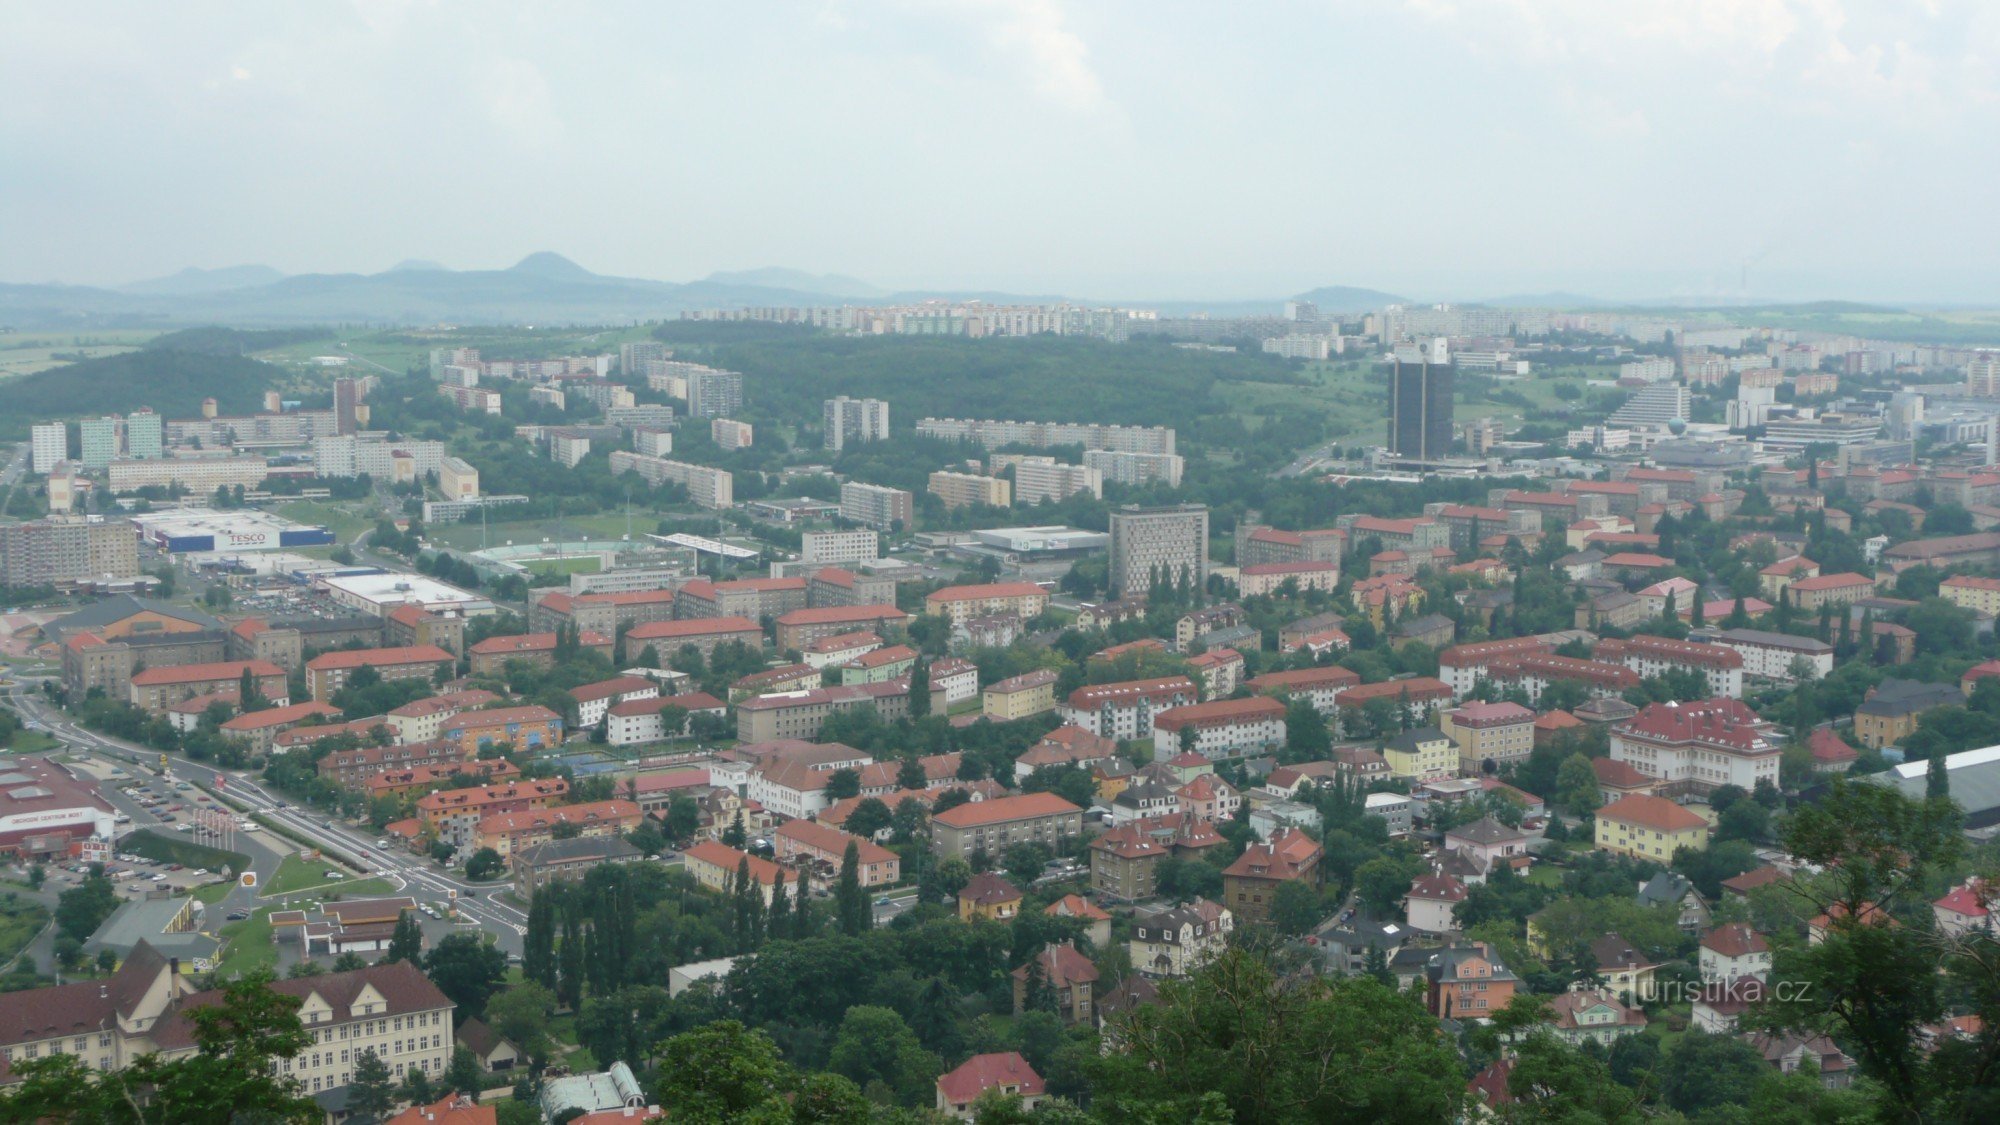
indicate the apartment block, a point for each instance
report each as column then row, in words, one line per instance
column 708, row 488
column 50, row 445
column 848, row 421
column 965, row 490
column 728, row 434
column 877, row 506
column 1132, row 439
column 329, row 672
column 1167, row 544
column 1044, row 478
column 457, row 479
column 714, row 393
column 992, row 826
column 67, row 549
column 1119, row 466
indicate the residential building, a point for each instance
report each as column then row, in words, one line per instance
column 1809, row 594
column 1585, row 1015
column 329, row 672
column 877, row 506
column 1720, row 665
column 1432, row 903
column 715, row 866
column 801, row 627
column 1490, row 735
column 1268, row 578
column 1734, row 951
column 156, row 689
column 1969, row 591
column 800, row 714
column 1649, row 828
column 1416, row 700
column 1019, row 697
column 1125, row 710
column 1066, row 972
column 970, row 490
column 1421, row 754
column 509, row 832
column 953, row 681
column 960, row 1088
column 714, row 393
column 1225, row 728
column 453, row 815
column 669, row 638
column 639, row 721
column 993, row 826
column 1319, row 686
column 1467, row 983
column 1781, row 657
column 825, row 850
column 457, row 479
column 989, row 896
column 707, row 487
column 960, row 603
column 1219, row 670
column 491, row 656
column 1249, row 885
column 1172, row 944
column 530, row 728
column 594, row 701
column 846, row 421
column 1893, row 708
column 1167, row 544
column 1138, row 439
column 1044, row 478
column 752, row 598
column 49, row 442
column 1125, row 467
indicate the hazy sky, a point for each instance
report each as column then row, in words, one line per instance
column 1439, row 148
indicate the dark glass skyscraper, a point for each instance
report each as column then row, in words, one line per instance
column 1419, row 408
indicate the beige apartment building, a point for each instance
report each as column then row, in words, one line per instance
column 1501, row 733
column 964, row 490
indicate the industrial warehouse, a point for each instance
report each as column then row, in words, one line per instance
column 206, row 530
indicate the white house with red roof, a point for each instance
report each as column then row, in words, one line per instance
column 593, row 700
column 1732, row 951
column 1431, row 902
column 1696, row 748
column 1966, row 910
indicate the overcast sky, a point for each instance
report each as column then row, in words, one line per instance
column 1438, row 148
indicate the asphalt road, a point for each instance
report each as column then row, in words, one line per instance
column 412, row 875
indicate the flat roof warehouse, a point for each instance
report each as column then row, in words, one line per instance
column 379, row 594
column 205, row 530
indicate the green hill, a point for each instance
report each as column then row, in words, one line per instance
column 173, row 383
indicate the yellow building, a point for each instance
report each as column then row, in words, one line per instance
column 1649, row 828
column 962, row 490
column 1972, row 592
column 1424, row 754
column 988, row 896
column 1031, row 693
column 1501, row 733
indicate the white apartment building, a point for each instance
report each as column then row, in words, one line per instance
column 963, row 490
column 350, row 455
column 847, row 421
column 840, row 548
column 877, row 506
column 1136, row 439
column 568, row 449
column 1654, row 656
column 714, row 393
column 727, row 434
column 196, row 474
column 1044, row 478
column 1124, row 467
column 1772, row 655
column 457, row 479
column 51, row 445
column 1125, row 710
column 709, row 488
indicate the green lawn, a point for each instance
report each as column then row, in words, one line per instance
column 247, row 945
column 296, row 874
column 21, row 918
column 342, row 521
column 33, row 742
column 604, row 526
column 214, row 892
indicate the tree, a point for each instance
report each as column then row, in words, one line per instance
column 910, row 775
column 372, row 1093
column 1553, row 1081
column 521, row 1015
column 1576, row 785
column 463, row 1075
column 1295, row 907
column 466, row 969
column 721, row 1074
column 851, row 905
column 484, row 864
column 842, row 784
column 1702, row 1071
column 869, row 817
column 1307, row 738
column 831, row 1099
column 84, row 907
column 875, row 1045
column 1222, row 1032
column 920, row 696
column 406, row 943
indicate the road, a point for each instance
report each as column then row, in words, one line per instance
column 411, row 874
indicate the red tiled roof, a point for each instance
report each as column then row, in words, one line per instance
column 202, row 673
column 359, row 657
column 1618, row 775
column 988, row 889
column 986, row 591
column 279, row 716
column 1735, row 940
column 534, row 642
column 836, row 614
column 1832, row 582
column 1003, row 809
column 980, row 1073
column 1491, row 714
column 501, row 716
column 1221, row 712
column 1123, row 693
column 1656, row 813
column 605, row 689
column 1332, row 675
column 729, row 859
column 833, row 841
column 698, row 627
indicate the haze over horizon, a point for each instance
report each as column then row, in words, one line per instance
column 1446, row 149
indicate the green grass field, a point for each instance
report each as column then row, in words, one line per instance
column 340, row 520
column 295, row 874
column 247, row 945
column 37, row 351
column 586, row 565
column 21, row 918
column 572, row 529
column 33, row 742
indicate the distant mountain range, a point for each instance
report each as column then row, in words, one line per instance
column 543, row 288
